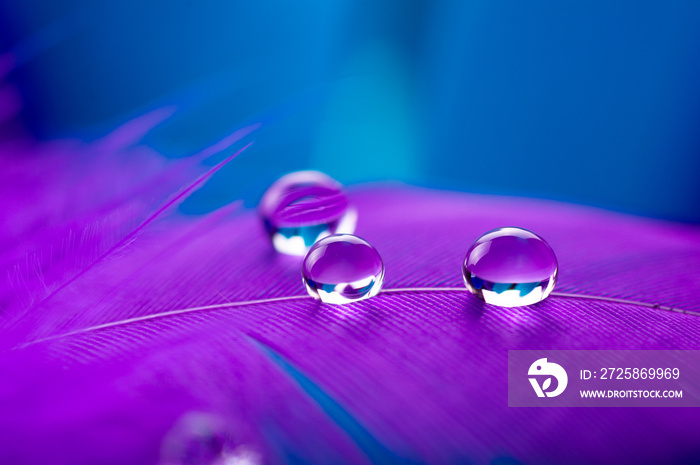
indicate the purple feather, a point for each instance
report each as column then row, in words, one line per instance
column 130, row 331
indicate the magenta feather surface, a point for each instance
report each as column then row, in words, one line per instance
column 120, row 318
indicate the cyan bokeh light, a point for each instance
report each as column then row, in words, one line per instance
column 588, row 102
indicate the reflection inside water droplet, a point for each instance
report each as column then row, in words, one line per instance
column 510, row 267
column 342, row 268
column 302, row 207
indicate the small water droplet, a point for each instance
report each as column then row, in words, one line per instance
column 510, row 267
column 197, row 438
column 302, row 207
column 342, row 268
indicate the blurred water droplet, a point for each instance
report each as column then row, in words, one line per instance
column 302, row 207
column 199, row 438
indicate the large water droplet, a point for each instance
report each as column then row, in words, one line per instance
column 302, row 207
column 342, row 268
column 510, row 267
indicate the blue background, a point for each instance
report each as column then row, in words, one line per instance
column 589, row 102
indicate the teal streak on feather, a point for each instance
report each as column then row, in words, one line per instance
column 375, row 451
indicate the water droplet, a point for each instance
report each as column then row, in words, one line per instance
column 302, row 207
column 510, row 267
column 197, row 438
column 342, row 268
column 200, row 438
